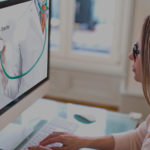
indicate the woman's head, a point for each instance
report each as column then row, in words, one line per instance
column 141, row 66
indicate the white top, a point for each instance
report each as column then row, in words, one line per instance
column 138, row 139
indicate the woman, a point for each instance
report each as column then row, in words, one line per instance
column 138, row 139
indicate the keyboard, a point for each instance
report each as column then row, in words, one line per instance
column 57, row 124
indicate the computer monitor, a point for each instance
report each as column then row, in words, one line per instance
column 24, row 55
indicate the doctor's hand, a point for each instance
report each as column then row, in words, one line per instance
column 3, row 58
column 4, row 79
column 69, row 141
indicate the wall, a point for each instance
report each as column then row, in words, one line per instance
column 109, row 89
column 85, row 86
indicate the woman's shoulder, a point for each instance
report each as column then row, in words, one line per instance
column 148, row 120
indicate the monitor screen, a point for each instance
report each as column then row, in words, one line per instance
column 24, row 48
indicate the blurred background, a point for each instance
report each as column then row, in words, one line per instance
column 90, row 42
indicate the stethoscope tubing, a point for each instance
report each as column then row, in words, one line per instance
column 36, row 62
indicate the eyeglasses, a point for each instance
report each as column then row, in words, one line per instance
column 135, row 51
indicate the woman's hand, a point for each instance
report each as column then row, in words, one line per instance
column 72, row 142
column 38, row 148
column 69, row 141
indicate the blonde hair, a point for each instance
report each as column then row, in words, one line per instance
column 145, row 55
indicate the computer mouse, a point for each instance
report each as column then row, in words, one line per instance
column 85, row 118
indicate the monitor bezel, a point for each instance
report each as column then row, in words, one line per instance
column 8, row 3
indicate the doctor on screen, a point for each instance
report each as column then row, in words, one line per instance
column 21, row 49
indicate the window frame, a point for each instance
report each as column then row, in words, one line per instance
column 114, row 63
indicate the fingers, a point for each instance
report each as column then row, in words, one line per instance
column 38, row 148
column 54, row 134
column 58, row 148
column 3, row 54
column 44, row 148
column 4, row 49
column 52, row 138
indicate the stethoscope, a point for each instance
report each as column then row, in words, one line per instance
column 2, row 44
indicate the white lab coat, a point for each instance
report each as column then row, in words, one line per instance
column 27, row 43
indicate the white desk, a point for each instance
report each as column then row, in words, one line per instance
column 107, row 122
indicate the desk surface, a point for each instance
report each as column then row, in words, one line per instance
column 47, row 109
column 107, row 122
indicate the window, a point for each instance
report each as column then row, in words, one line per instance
column 93, row 25
column 90, row 34
column 55, row 25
